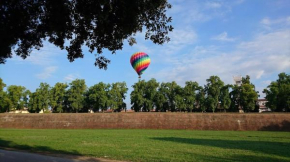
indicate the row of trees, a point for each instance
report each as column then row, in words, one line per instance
column 214, row 95
column 146, row 96
column 72, row 97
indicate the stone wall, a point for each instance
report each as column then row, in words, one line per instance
column 194, row 121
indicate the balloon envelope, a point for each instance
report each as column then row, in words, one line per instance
column 140, row 62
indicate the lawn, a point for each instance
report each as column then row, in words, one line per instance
column 153, row 145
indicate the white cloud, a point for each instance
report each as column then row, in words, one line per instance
column 267, row 82
column 141, row 47
column 179, row 39
column 42, row 57
column 275, row 43
column 269, row 24
column 239, row 2
column 266, row 21
column 47, row 72
column 213, row 5
column 182, row 37
column 264, row 55
column 71, row 77
column 223, row 37
column 259, row 74
column 196, row 11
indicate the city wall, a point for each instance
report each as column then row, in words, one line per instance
column 192, row 121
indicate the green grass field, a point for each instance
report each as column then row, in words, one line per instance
column 154, row 145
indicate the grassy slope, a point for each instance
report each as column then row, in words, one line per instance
column 154, row 145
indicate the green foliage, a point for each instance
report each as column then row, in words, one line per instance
column 235, row 98
column 161, row 99
column 97, row 24
column 213, row 90
column 34, row 101
column 57, row 97
column 201, row 100
column 179, row 99
column 146, row 96
column 248, row 95
column 225, row 101
column 137, row 96
column 98, row 96
column 16, row 95
column 117, row 95
column 143, row 95
column 278, row 93
column 25, row 98
column 2, row 85
column 244, row 97
column 43, row 96
column 150, row 92
column 5, row 103
column 40, row 99
column 190, row 90
column 76, row 94
column 171, row 91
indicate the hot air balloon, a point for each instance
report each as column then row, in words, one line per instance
column 140, row 62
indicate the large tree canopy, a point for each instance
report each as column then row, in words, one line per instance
column 278, row 93
column 213, row 89
column 98, row 24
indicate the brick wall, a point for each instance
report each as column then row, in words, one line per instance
column 195, row 121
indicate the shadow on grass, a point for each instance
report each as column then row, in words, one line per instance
column 235, row 158
column 4, row 144
column 269, row 148
column 285, row 126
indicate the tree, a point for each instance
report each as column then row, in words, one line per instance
column 57, row 97
column 97, row 24
column 225, row 100
column 117, row 95
column 42, row 97
column 76, row 94
column 278, row 93
column 160, row 100
column 33, row 104
column 190, row 94
column 15, row 94
column 149, row 94
column 25, row 98
column 98, row 96
column 170, row 90
column 2, row 85
column 5, row 102
column 248, row 95
column 179, row 99
column 137, row 96
column 213, row 89
column 200, row 99
column 235, row 98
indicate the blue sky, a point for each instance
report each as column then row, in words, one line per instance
column 223, row 38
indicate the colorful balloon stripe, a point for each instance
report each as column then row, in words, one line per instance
column 140, row 62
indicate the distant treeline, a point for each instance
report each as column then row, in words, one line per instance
column 146, row 96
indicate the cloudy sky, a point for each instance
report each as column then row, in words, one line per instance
column 223, row 38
